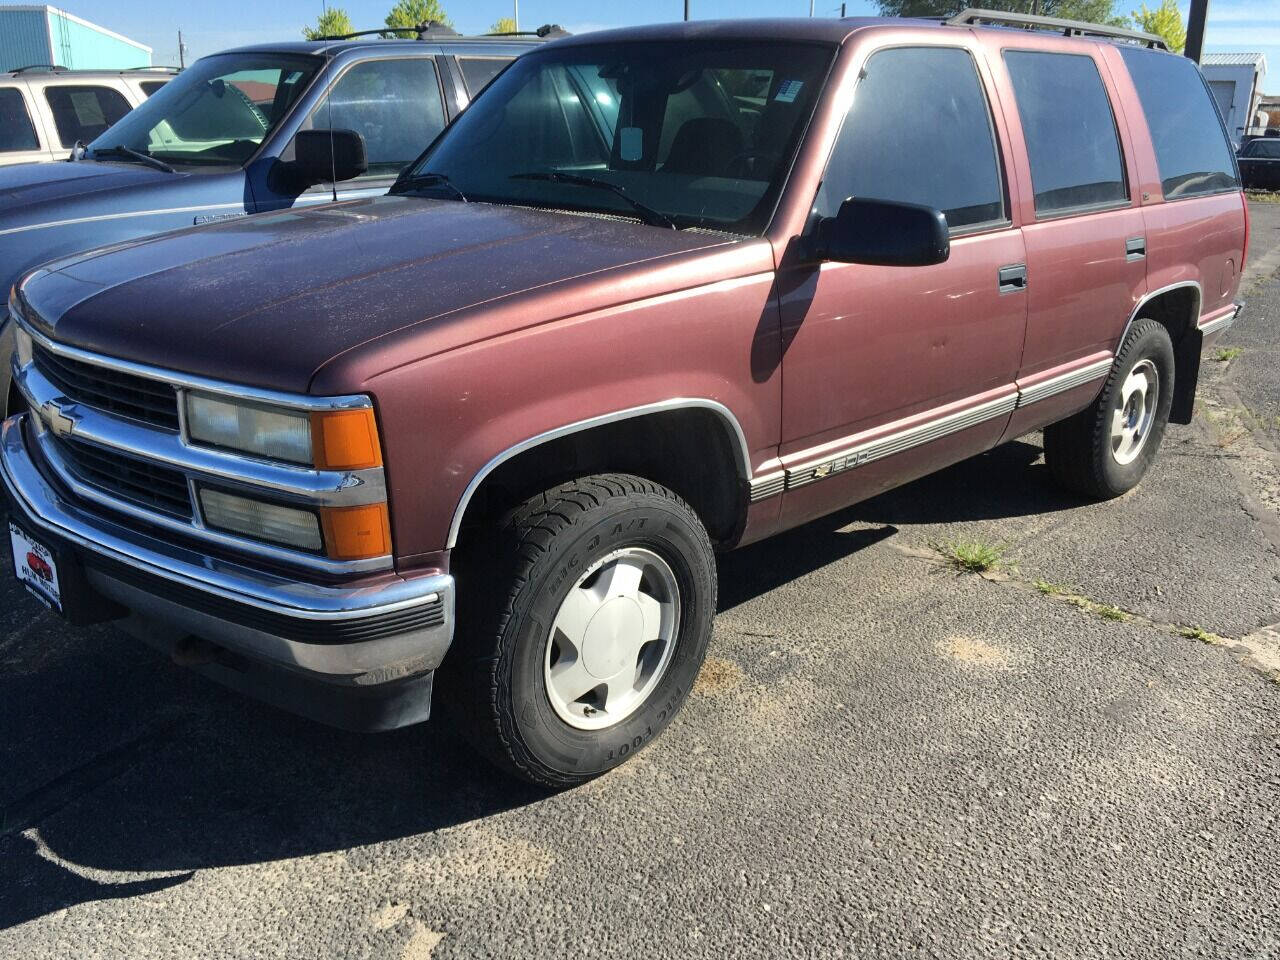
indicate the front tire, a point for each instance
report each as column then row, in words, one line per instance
column 588, row 611
column 1105, row 449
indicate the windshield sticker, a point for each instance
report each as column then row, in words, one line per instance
column 631, row 144
column 788, row 90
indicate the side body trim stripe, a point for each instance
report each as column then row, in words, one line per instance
column 859, row 454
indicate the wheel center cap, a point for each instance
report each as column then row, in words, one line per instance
column 613, row 637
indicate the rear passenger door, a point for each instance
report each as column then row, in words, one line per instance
column 891, row 372
column 1084, row 232
column 20, row 139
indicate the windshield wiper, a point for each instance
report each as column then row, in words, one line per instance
column 435, row 179
column 649, row 215
column 120, row 150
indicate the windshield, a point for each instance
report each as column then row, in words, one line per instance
column 214, row 113
column 690, row 133
column 1264, row 148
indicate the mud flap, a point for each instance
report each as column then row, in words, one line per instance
column 1186, row 376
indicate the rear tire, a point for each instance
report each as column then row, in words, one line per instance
column 587, row 612
column 1105, row 449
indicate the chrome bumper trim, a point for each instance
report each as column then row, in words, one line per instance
column 274, row 593
column 1222, row 322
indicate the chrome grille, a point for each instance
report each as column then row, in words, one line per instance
column 138, row 481
column 123, row 394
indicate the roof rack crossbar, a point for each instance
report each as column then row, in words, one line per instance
column 423, row 31
column 1070, row 28
column 546, row 30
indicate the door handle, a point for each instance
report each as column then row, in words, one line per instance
column 1135, row 248
column 1013, row 278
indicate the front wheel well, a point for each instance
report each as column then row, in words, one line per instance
column 693, row 452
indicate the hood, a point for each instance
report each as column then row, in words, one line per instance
column 27, row 188
column 267, row 300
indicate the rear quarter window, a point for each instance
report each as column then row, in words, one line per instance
column 1192, row 150
column 1069, row 129
column 84, row 113
column 16, row 130
column 478, row 71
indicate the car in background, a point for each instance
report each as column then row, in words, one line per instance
column 1260, row 164
column 45, row 110
column 246, row 131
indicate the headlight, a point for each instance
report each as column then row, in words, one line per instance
column 328, row 440
column 271, row 432
column 22, row 339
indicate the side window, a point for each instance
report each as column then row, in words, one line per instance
column 394, row 104
column 1192, row 150
column 151, row 86
column 83, row 113
column 16, row 130
column 1070, row 130
column 478, row 71
column 919, row 131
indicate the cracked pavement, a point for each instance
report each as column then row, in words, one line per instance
column 882, row 757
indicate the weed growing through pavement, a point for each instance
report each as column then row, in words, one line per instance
column 972, row 556
column 1227, row 354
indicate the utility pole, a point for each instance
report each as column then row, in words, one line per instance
column 1196, row 18
column 686, row 9
column 516, row 18
column 182, row 50
column 811, row 8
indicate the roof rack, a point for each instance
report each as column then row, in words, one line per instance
column 435, row 30
column 168, row 68
column 546, row 30
column 1068, row 28
column 40, row 68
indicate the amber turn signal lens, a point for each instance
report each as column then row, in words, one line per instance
column 345, row 440
column 356, row 533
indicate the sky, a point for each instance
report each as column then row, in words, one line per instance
column 212, row 25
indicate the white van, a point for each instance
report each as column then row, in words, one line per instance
column 45, row 110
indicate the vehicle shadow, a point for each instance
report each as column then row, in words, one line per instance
column 125, row 774
column 1008, row 481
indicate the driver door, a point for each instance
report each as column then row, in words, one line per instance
column 892, row 372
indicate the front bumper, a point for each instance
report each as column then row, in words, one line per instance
column 355, row 655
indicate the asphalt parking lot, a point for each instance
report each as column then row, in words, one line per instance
column 1077, row 755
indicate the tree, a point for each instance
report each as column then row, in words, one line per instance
column 334, row 22
column 1090, row 11
column 503, row 25
column 1164, row 21
column 410, row 13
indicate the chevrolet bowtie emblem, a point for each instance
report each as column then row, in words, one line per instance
column 56, row 419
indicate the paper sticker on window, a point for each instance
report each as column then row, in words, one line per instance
column 88, row 109
column 788, row 90
column 631, row 143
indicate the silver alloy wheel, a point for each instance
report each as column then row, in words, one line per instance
column 612, row 639
column 1134, row 412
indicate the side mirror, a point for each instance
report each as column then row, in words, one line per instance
column 884, row 233
column 321, row 156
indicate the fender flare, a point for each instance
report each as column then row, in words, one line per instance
column 737, row 438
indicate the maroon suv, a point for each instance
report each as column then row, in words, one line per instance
column 657, row 293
